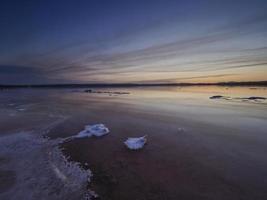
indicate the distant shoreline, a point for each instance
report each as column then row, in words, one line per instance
column 95, row 85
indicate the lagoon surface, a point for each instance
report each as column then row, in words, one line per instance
column 197, row 147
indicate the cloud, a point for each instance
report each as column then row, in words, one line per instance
column 15, row 74
column 86, row 60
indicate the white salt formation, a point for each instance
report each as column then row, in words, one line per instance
column 93, row 130
column 48, row 176
column 135, row 143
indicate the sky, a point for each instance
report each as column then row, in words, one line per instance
column 132, row 41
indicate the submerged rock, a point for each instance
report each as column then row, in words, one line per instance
column 105, row 92
column 252, row 98
column 217, row 97
column 136, row 143
column 88, row 90
column 256, row 98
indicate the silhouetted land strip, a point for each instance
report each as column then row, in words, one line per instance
column 252, row 98
column 230, row 84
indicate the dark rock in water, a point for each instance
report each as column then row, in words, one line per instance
column 105, row 92
column 256, row 98
column 217, row 97
column 120, row 92
column 89, row 90
column 238, row 98
column 251, row 98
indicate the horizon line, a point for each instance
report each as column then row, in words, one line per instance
column 66, row 85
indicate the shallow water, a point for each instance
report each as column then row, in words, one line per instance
column 198, row 148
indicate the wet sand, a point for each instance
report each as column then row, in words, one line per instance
column 197, row 148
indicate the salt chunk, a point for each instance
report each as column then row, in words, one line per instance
column 136, row 143
column 93, row 130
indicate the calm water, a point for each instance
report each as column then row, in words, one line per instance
column 198, row 148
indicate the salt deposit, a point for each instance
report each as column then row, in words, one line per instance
column 93, row 130
column 42, row 171
column 136, row 143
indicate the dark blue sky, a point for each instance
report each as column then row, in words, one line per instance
column 132, row 41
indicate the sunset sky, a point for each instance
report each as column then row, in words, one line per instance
column 132, row 41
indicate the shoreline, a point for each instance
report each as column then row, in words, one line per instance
column 133, row 85
column 36, row 161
